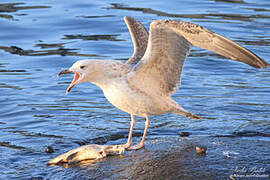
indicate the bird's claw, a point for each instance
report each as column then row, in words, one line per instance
column 136, row 147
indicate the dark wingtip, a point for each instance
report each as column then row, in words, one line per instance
column 128, row 17
column 268, row 65
column 265, row 65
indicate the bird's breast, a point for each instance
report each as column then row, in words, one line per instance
column 131, row 100
column 121, row 95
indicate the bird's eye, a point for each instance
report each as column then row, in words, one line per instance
column 82, row 67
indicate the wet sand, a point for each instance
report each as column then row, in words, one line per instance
column 175, row 157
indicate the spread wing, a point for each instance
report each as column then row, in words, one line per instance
column 168, row 45
column 139, row 36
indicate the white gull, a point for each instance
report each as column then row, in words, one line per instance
column 143, row 85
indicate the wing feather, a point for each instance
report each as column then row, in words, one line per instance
column 169, row 43
column 139, row 36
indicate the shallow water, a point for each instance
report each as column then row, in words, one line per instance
column 40, row 38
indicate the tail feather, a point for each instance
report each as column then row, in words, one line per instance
column 178, row 109
column 187, row 114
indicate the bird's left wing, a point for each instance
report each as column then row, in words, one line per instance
column 169, row 43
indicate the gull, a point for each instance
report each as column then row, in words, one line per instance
column 144, row 84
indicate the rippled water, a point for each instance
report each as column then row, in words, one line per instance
column 40, row 38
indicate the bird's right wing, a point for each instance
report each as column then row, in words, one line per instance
column 139, row 36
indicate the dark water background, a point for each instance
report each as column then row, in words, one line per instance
column 40, row 38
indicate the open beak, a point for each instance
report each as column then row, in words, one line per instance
column 75, row 80
column 64, row 72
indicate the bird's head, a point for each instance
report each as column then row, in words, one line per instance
column 81, row 70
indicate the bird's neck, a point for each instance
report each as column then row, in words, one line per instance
column 106, row 71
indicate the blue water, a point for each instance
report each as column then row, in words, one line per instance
column 40, row 38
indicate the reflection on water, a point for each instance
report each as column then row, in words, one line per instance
column 94, row 37
column 208, row 16
column 59, row 51
column 96, row 16
column 40, row 38
column 232, row 1
column 14, row 7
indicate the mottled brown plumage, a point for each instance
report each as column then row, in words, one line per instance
column 168, row 45
column 139, row 36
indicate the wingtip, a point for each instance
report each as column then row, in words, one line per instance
column 268, row 65
column 126, row 18
column 264, row 66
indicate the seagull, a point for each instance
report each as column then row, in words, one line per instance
column 144, row 84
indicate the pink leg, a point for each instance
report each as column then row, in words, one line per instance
column 132, row 123
column 141, row 145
